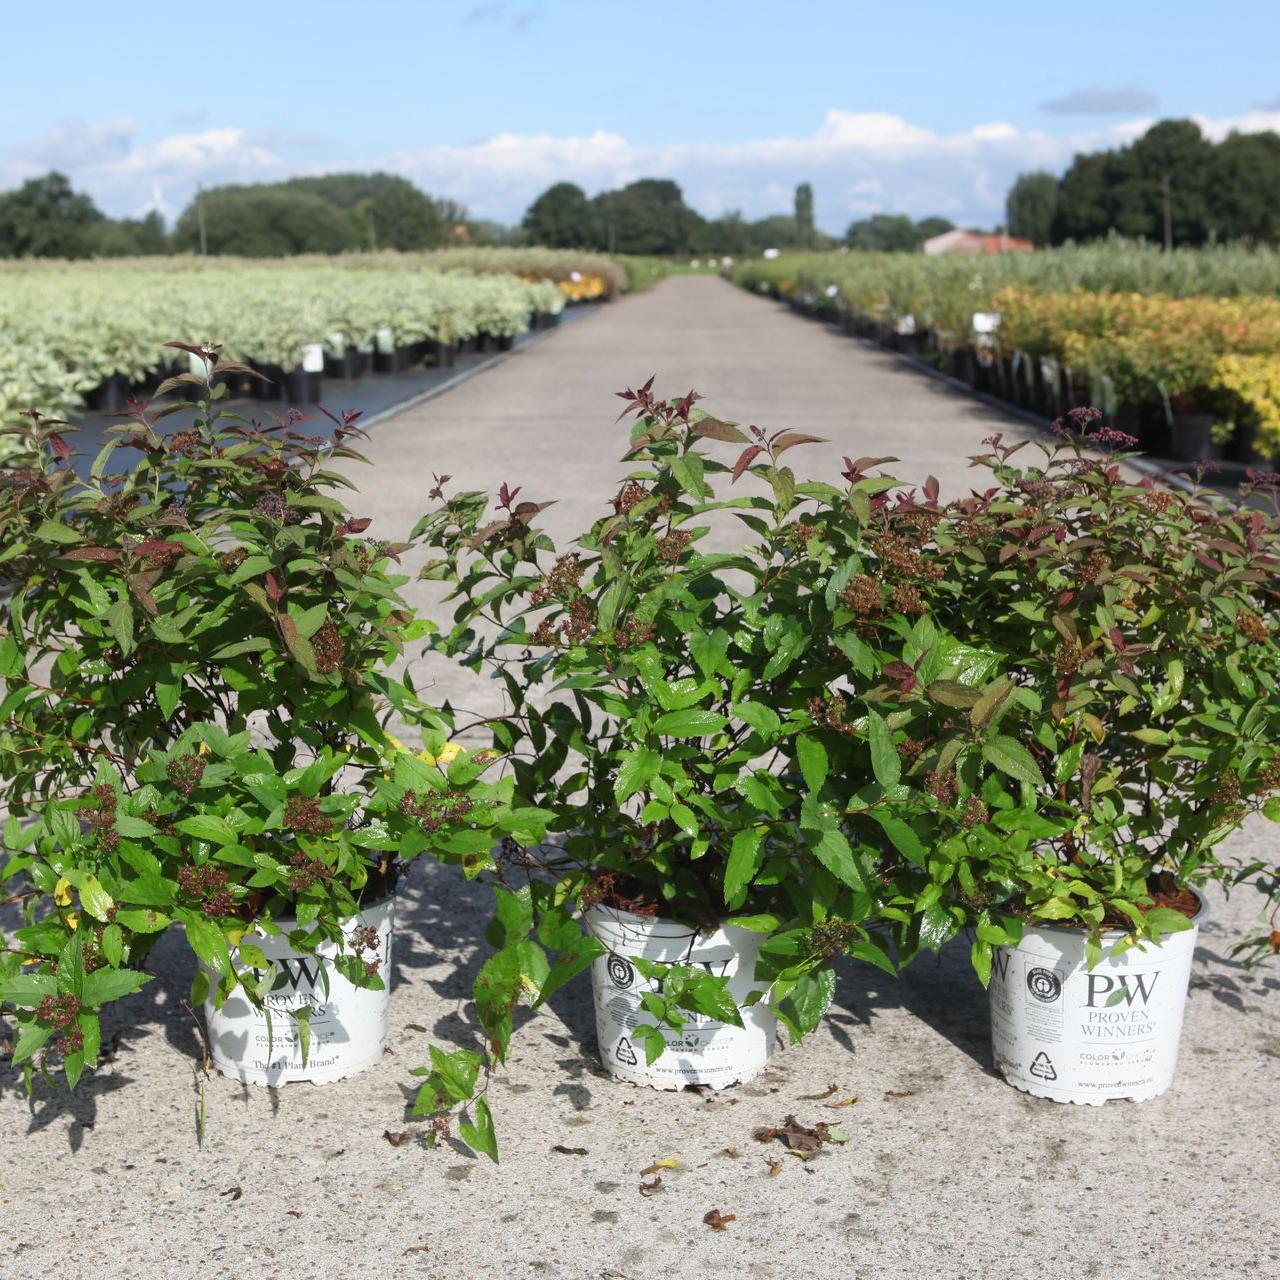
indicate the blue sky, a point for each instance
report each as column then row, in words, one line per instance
column 925, row 108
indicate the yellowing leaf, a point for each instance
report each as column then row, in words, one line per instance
column 73, row 920
column 62, row 892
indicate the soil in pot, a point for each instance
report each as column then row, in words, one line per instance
column 348, row 1023
column 1072, row 1034
column 707, row 1052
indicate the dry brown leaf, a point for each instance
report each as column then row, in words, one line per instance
column 396, row 1139
column 717, row 1221
column 898, row 1093
column 817, row 1097
column 844, row 1102
column 418, row 1248
column 294, row 1213
column 667, row 1162
column 775, row 1166
column 649, row 1188
column 569, row 1151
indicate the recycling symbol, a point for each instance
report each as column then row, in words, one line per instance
column 625, row 1053
column 1041, row 1066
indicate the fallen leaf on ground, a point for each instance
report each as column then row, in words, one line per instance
column 817, row 1097
column 667, row 1162
column 418, row 1248
column 799, row 1138
column 414, row 1026
column 775, row 1166
column 731, row 1151
column 898, row 1093
column 648, row 1188
column 844, row 1102
column 396, row 1139
column 234, row 1192
column 294, row 1213
column 569, row 1151
column 717, row 1221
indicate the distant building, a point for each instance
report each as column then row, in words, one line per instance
column 975, row 242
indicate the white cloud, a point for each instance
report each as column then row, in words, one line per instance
column 858, row 163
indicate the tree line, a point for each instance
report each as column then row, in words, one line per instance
column 1171, row 185
column 46, row 218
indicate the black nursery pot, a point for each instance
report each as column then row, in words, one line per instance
column 505, row 342
column 1243, row 448
column 1190, row 438
column 348, row 366
column 108, row 396
column 301, row 387
column 271, row 385
column 396, row 360
column 441, row 354
column 466, row 346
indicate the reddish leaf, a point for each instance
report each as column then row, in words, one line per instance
column 785, row 440
column 715, row 429
column 745, row 459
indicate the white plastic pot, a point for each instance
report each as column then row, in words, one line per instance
column 348, row 1023
column 708, row 1052
column 1062, row 1031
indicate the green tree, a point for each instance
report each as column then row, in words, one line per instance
column 387, row 211
column 804, row 215
column 266, row 222
column 927, row 228
column 883, row 233
column 131, row 237
column 45, row 218
column 563, row 218
column 1030, row 207
column 648, row 216
column 1244, row 188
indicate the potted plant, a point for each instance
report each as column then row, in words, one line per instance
column 710, row 730
column 1129, row 722
column 158, row 617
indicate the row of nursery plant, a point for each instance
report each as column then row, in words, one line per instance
column 66, row 328
column 758, row 721
column 1134, row 329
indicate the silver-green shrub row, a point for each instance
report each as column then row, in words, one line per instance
column 64, row 328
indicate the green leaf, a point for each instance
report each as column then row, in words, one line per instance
column 27, row 989
column 810, row 999
column 691, row 723
column 1012, row 758
column 764, row 720
column 885, row 762
column 94, row 898
column 902, row 837
column 204, row 826
column 744, row 861
column 1271, row 808
column 56, row 531
column 480, row 1136
column 833, row 851
column 119, row 621
column 685, row 819
column 104, row 985
column 637, row 769
column 813, row 761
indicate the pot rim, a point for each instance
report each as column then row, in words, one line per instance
column 369, row 905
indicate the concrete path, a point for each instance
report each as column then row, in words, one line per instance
column 949, row 1172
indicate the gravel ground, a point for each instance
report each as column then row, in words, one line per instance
column 948, row 1173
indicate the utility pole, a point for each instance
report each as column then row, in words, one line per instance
column 1168, row 213
column 204, row 244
